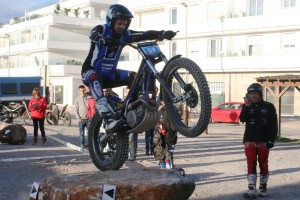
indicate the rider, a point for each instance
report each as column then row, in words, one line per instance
column 100, row 71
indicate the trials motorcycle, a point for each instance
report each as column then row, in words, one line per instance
column 184, row 93
column 8, row 114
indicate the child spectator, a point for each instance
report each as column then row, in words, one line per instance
column 164, row 140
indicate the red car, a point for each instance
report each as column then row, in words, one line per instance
column 227, row 112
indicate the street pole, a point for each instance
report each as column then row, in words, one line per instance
column 185, row 110
column 186, row 49
column 45, row 81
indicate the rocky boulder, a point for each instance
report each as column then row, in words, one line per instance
column 145, row 184
column 12, row 134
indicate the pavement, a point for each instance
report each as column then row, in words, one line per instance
column 215, row 161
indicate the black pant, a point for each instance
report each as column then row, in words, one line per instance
column 36, row 124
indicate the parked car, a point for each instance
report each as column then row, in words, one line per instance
column 227, row 112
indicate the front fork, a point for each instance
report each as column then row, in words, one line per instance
column 162, row 82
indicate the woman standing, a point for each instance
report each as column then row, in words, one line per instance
column 37, row 106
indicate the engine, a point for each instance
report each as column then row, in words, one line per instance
column 142, row 115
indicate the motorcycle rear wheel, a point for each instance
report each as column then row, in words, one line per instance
column 26, row 116
column 66, row 118
column 49, row 118
column 191, row 115
column 111, row 153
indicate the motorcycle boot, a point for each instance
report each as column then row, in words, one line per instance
column 263, row 180
column 251, row 193
column 110, row 124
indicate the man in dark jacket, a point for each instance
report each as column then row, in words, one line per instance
column 261, row 130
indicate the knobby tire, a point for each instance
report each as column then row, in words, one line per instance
column 117, row 156
column 200, row 114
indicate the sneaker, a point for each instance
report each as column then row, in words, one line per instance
column 162, row 164
column 168, row 164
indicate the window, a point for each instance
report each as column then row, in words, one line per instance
column 288, row 40
column 9, row 88
column 152, row 19
column 173, row 49
column 59, row 94
column 173, row 16
column 217, row 93
column 216, row 87
column 26, row 88
column 215, row 10
column 214, row 47
column 255, row 46
column 255, row 7
column 193, row 49
column 288, row 3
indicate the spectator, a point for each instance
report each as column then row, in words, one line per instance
column 260, row 132
column 164, row 140
column 133, row 145
column 80, row 112
column 133, row 138
column 149, row 141
column 90, row 107
column 37, row 106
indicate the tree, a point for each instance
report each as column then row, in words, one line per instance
column 76, row 12
column 86, row 13
column 57, row 9
column 66, row 11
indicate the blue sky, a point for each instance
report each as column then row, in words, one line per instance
column 16, row 8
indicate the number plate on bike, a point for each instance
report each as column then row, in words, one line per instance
column 152, row 50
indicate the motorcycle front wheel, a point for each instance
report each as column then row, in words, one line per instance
column 109, row 153
column 66, row 118
column 26, row 116
column 191, row 113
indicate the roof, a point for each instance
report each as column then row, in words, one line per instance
column 281, row 78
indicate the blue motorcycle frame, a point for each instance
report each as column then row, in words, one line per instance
column 185, row 96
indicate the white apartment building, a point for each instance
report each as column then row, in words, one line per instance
column 233, row 41
column 52, row 36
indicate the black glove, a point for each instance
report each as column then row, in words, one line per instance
column 169, row 35
column 110, row 42
column 269, row 144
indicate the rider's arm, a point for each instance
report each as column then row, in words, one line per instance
column 136, row 36
column 97, row 34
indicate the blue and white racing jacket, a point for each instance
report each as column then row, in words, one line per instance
column 105, row 58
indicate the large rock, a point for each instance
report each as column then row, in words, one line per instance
column 145, row 184
column 12, row 134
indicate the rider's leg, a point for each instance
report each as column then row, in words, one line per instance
column 118, row 78
column 92, row 78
